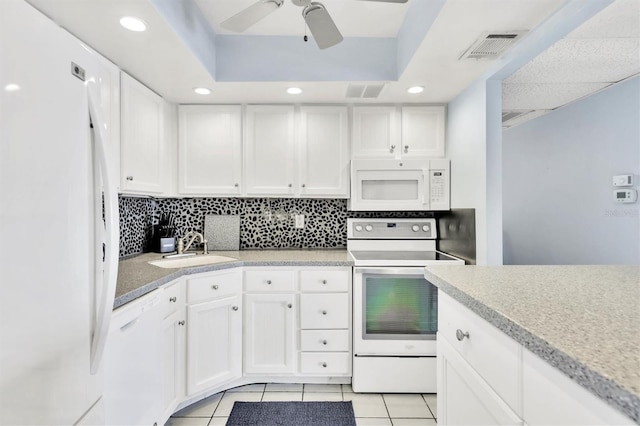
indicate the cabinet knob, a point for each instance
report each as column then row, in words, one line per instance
column 324, row 312
column 290, row 185
column 393, row 148
column 236, row 185
column 129, row 178
column 324, row 342
column 324, row 364
column 269, row 282
column 215, row 286
column 235, row 308
column 289, row 306
column 406, row 149
column 181, row 322
column 460, row 335
column 172, row 299
column 304, row 185
column 324, row 282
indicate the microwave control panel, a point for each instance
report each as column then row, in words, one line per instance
column 438, row 185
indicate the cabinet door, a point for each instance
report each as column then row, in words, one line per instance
column 270, row 334
column 376, row 132
column 174, row 350
column 323, row 166
column 209, row 150
column 423, row 131
column 214, row 343
column 464, row 398
column 142, row 138
column 269, row 150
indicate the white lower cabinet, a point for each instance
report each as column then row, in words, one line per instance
column 174, row 332
column 214, row 333
column 487, row 378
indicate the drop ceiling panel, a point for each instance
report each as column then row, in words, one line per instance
column 583, row 60
column 521, row 96
column 621, row 19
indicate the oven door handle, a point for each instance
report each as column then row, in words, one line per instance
column 390, row 270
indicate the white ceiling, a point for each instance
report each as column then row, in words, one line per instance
column 161, row 60
column 602, row 51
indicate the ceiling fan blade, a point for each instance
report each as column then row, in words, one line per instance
column 244, row 19
column 324, row 30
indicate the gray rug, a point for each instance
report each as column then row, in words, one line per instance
column 292, row 414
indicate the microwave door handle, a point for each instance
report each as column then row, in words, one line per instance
column 426, row 187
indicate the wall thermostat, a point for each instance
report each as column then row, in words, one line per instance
column 625, row 195
column 623, row 180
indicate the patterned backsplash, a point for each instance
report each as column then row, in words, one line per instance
column 265, row 223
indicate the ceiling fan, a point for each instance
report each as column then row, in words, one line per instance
column 324, row 30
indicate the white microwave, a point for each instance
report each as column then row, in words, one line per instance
column 398, row 185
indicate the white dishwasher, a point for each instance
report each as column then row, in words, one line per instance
column 133, row 363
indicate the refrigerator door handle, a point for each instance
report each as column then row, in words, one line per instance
column 106, row 296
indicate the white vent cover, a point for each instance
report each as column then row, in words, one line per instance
column 491, row 45
column 367, row 91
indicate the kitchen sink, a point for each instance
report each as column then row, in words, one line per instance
column 198, row 260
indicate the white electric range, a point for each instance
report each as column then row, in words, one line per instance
column 395, row 310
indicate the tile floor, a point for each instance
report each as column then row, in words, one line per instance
column 370, row 409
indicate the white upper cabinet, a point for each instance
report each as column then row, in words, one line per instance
column 323, row 151
column 142, row 143
column 376, row 131
column 398, row 132
column 423, row 131
column 209, row 150
column 269, row 155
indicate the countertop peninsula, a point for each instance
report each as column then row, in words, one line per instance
column 137, row 277
column 583, row 320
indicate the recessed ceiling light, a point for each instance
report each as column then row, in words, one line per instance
column 415, row 89
column 133, row 24
column 202, row 91
column 294, row 90
column 11, row 87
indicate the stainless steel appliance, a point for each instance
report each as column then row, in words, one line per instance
column 395, row 309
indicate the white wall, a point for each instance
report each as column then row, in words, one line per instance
column 557, row 197
column 474, row 143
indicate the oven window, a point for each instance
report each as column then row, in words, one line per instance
column 399, row 305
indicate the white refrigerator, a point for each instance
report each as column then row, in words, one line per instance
column 58, row 220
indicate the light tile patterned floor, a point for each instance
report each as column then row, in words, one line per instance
column 370, row 409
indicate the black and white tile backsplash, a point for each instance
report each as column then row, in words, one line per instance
column 265, row 223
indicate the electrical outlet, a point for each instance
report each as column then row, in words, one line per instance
column 299, row 221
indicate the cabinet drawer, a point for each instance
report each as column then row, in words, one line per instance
column 325, row 363
column 495, row 356
column 214, row 286
column 260, row 281
column 173, row 298
column 322, row 311
column 319, row 281
column 324, row 340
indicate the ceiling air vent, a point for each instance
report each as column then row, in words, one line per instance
column 491, row 45
column 364, row 91
column 515, row 117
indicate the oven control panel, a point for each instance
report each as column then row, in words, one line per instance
column 392, row 229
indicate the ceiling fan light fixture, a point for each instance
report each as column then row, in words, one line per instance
column 294, row 90
column 133, row 24
column 414, row 90
column 202, row 90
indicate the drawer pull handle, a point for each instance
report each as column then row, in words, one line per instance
column 181, row 322
column 289, row 306
column 235, row 308
column 215, row 286
column 460, row 335
column 324, row 342
column 324, row 282
column 324, row 312
column 269, row 282
column 324, row 364
column 172, row 299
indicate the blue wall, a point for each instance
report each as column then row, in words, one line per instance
column 557, row 182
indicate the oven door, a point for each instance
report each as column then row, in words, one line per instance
column 395, row 312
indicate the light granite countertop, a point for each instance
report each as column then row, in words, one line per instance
column 137, row 277
column 583, row 320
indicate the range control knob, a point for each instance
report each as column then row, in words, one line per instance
column 368, row 228
column 426, row 228
column 415, row 228
column 358, row 228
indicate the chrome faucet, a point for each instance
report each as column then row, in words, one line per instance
column 191, row 237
